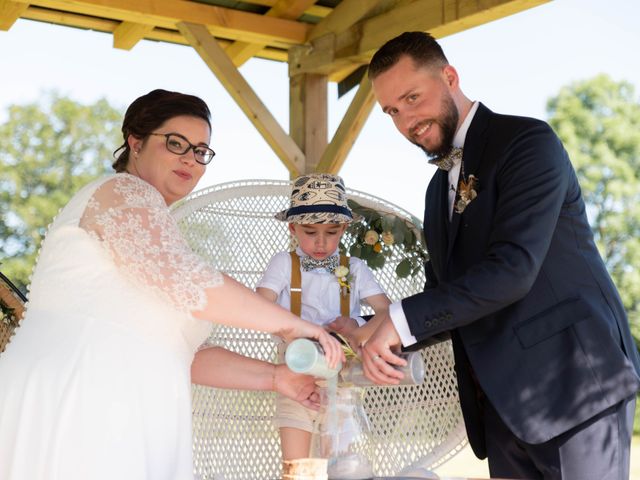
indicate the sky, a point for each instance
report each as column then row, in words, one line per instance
column 513, row 65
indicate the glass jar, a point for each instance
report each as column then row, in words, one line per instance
column 413, row 371
column 342, row 432
column 307, row 356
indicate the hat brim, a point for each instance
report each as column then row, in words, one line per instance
column 317, row 217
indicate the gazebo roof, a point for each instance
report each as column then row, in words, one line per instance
column 322, row 41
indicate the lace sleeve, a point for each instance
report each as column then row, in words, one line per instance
column 130, row 218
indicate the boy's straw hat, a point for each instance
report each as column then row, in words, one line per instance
column 318, row 198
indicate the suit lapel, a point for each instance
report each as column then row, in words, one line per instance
column 472, row 154
column 436, row 220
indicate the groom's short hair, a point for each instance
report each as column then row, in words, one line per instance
column 421, row 47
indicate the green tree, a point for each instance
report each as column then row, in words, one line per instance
column 599, row 122
column 48, row 150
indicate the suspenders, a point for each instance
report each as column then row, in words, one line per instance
column 296, row 286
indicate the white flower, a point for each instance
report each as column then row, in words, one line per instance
column 344, row 279
column 387, row 238
column 371, row 237
column 341, row 271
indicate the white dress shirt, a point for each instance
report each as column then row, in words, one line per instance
column 320, row 289
column 395, row 310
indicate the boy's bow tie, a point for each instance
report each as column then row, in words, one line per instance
column 329, row 263
column 447, row 161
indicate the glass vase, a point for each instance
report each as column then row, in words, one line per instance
column 342, row 432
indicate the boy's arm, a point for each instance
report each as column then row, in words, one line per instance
column 348, row 327
column 380, row 304
column 267, row 293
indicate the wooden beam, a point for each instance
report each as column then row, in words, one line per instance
column 109, row 26
column 313, row 10
column 221, row 22
column 240, row 52
column 10, row 12
column 127, row 34
column 346, row 13
column 350, row 127
column 220, row 64
column 308, row 117
column 356, row 45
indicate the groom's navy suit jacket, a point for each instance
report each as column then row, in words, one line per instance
column 534, row 317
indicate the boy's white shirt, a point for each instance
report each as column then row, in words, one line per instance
column 320, row 289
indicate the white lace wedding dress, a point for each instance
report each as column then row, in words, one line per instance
column 96, row 382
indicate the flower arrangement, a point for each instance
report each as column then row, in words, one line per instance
column 373, row 240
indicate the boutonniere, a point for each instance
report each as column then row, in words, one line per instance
column 344, row 279
column 466, row 192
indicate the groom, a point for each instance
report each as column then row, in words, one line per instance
column 547, row 368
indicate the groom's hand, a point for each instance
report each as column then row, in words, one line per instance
column 378, row 357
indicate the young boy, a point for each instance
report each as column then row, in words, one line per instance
column 318, row 217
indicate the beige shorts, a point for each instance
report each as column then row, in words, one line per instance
column 290, row 413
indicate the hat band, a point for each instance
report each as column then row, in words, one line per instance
column 318, row 209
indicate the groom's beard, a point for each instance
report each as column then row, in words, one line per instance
column 448, row 123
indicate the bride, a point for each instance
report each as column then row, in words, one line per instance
column 96, row 382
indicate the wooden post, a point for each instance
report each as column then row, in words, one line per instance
column 308, row 115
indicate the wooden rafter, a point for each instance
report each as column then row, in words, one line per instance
column 224, row 69
column 220, row 22
column 346, row 13
column 356, row 45
column 352, row 123
column 110, row 26
column 240, row 52
column 9, row 12
column 127, row 34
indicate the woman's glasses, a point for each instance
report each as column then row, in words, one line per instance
column 179, row 145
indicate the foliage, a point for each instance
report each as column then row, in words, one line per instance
column 48, row 150
column 598, row 121
column 373, row 238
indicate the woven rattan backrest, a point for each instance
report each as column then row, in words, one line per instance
column 232, row 227
column 12, row 308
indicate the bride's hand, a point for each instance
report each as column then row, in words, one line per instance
column 303, row 329
column 298, row 387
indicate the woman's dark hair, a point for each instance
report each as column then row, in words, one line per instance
column 149, row 111
column 421, row 47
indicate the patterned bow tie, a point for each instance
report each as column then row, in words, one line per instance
column 449, row 160
column 329, row 263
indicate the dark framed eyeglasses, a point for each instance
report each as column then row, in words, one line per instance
column 179, row 145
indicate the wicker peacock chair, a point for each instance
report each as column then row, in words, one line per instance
column 232, row 227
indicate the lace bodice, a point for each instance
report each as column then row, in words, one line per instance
column 131, row 220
